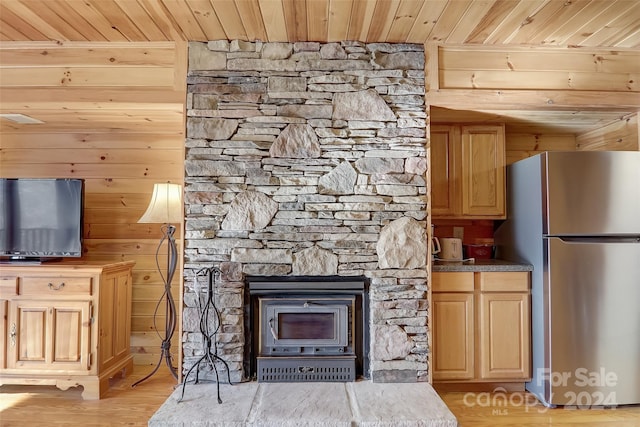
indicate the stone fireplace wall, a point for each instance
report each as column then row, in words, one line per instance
column 309, row 159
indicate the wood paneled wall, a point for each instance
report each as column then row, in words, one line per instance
column 555, row 90
column 533, row 85
column 621, row 135
column 115, row 117
column 115, row 114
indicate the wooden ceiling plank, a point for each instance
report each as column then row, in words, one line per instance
column 382, row 19
column 491, row 21
column 514, row 20
column 65, row 23
column 317, row 20
column 118, row 19
column 182, row 15
column 572, row 24
column 599, row 22
column 27, row 14
column 557, row 20
column 274, row 20
column 406, row 15
column 207, row 19
column 14, row 24
column 536, row 23
column 618, row 29
column 295, row 15
column 450, row 17
column 8, row 33
column 162, row 19
column 632, row 41
column 230, row 20
column 339, row 18
column 425, row 21
column 68, row 13
column 141, row 19
column 251, row 18
column 472, row 17
column 97, row 20
column 626, row 33
column 361, row 15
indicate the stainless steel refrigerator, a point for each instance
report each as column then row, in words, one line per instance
column 575, row 216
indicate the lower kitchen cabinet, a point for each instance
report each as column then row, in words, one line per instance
column 65, row 324
column 481, row 326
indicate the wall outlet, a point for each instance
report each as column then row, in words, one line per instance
column 458, row 233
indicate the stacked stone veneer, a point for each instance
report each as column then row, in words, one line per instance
column 309, row 159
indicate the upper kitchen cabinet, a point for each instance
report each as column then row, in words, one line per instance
column 468, row 171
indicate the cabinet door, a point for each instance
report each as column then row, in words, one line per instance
column 8, row 290
column 504, row 336
column 453, row 336
column 483, row 171
column 114, row 318
column 444, row 142
column 49, row 336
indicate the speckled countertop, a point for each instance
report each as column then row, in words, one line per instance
column 480, row 265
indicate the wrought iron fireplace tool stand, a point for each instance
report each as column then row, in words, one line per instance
column 210, row 355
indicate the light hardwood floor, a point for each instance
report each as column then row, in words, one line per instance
column 478, row 409
column 122, row 405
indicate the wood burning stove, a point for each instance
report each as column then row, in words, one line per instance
column 307, row 328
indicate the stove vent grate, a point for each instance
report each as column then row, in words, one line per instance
column 326, row 369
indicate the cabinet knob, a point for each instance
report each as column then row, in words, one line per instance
column 56, row 288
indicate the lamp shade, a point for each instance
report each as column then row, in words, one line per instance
column 165, row 206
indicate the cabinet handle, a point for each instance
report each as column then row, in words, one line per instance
column 56, row 288
column 13, row 334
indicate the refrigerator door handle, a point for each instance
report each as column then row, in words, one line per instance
column 598, row 239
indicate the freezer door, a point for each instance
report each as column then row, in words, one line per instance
column 591, row 193
column 594, row 313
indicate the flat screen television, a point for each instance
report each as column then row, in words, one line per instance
column 41, row 219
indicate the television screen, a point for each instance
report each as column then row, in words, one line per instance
column 41, row 218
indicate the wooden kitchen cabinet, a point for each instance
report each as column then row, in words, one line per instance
column 67, row 324
column 468, row 171
column 481, row 326
column 453, row 326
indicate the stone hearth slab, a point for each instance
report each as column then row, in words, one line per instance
column 360, row 403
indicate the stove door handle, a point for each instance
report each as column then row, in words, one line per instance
column 273, row 331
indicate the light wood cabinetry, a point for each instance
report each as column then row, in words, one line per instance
column 481, row 326
column 468, row 171
column 66, row 324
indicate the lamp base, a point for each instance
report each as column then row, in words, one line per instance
column 166, row 356
column 170, row 306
